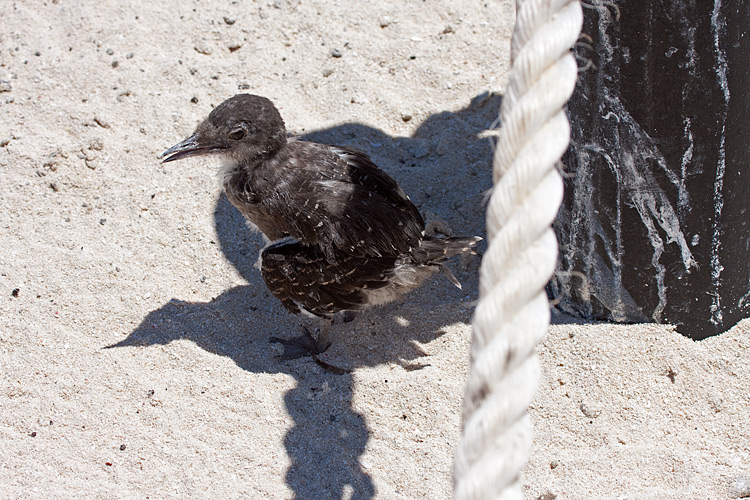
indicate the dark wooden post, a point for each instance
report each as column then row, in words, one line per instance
column 655, row 225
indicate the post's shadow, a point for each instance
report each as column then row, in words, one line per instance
column 329, row 436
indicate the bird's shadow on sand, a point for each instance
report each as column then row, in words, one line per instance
column 326, row 442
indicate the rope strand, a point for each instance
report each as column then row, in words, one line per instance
column 512, row 315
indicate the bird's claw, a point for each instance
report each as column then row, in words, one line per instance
column 299, row 347
column 306, row 345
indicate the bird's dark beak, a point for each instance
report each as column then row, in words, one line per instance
column 188, row 147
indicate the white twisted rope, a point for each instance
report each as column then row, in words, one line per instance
column 513, row 313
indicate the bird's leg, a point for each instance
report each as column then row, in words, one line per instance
column 323, row 341
column 297, row 347
column 306, row 345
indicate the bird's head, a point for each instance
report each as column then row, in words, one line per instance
column 242, row 128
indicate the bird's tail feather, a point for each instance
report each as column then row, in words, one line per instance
column 449, row 274
column 435, row 251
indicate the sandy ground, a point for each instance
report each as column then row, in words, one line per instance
column 134, row 355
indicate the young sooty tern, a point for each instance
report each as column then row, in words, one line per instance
column 343, row 235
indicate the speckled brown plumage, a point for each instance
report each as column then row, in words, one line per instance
column 343, row 235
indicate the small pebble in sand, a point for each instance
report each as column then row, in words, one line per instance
column 229, row 20
column 194, row 100
column 740, row 487
column 33, row 434
column 101, row 122
column 5, row 86
column 15, row 292
column 122, row 447
column 109, row 52
column 443, row 147
column 406, row 116
column 327, row 72
column 115, row 64
column 420, row 148
column 438, row 227
column 234, row 47
column 589, row 412
column 547, row 496
column 554, row 464
column 336, row 53
column 202, row 48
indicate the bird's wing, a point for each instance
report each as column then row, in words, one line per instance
column 337, row 198
column 302, row 277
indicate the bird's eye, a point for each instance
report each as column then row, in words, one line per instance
column 237, row 134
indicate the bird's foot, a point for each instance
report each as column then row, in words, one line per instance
column 307, row 345
column 299, row 347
